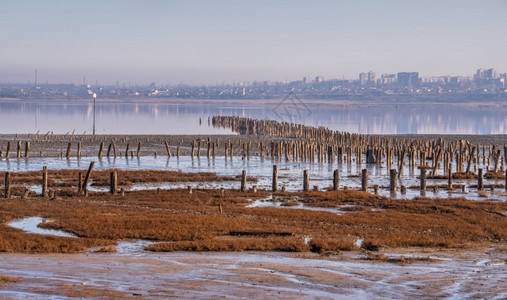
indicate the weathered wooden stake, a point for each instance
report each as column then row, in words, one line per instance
column 80, row 183
column 423, row 179
column 114, row 150
column 138, row 149
column 167, row 149
column 393, row 186
column 274, row 186
column 27, row 149
column 480, row 180
column 67, row 154
column 79, row 150
column 243, row 181
column 7, row 192
column 87, row 176
column 449, row 183
column 113, row 187
column 376, row 189
column 403, row 189
column 101, row 148
column 8, row 150
column 306, row 181
column 364, row 180
column 44, row 181
column 18, row 153
column 336, row 179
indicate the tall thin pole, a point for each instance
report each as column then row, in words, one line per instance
column 94, row 97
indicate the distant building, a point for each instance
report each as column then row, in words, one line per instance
column 371, row 78
column 319, row 79
column 363, row 79
column 388, row 79
column 408, row 79
column 488, row 74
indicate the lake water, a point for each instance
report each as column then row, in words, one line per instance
column 182, row 117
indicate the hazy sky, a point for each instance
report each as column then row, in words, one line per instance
column 232, row 41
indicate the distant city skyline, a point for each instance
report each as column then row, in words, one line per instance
column 210, row 42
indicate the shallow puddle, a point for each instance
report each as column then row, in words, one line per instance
column 30, row 225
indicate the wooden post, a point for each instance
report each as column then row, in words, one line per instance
column 403, row 189
column 167, row 149
column 44, row 181
column 18, row 152
column 7, row 192
column 127, row 150
column 79, row 150
column 80, row 183
column 8, row 150
column 449, row 183
column 423, row 179
column 336, row 179
column 306, row 181
column 138, row 149
column 274, row 186
column 67, row 154
column 113, row 187
column 480, row 180
column 114, row 150
column 243, row 181
column 393, row 186
column 364, row 180
column 101, row 148
column 27, row 149
column 109, row 149
column 87, row 176
column 376, row 189
column 506, row 179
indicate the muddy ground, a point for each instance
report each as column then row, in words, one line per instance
column 49, row 145
column 409, row 273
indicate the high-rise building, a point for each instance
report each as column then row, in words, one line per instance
column 408, row 79
column 388, row 79
column 371, row 78
column 319, row 79
column 488, row 74
column 363, row 78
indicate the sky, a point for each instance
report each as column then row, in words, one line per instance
column 220, row 41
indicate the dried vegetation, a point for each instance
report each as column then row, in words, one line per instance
column 204, row 220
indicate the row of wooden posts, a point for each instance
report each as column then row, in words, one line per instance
column 19, row 152
column 309, row 151
column 393, row 182
column 305, row 143
column 393, row 185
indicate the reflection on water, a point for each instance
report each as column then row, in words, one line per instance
column 183, row 117
column 290, row 173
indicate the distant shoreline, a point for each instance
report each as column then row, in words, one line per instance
column 312, row 102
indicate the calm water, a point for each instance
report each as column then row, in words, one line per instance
column 290, row 173
column 183, row 117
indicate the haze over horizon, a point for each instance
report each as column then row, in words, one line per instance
column 209, row 42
